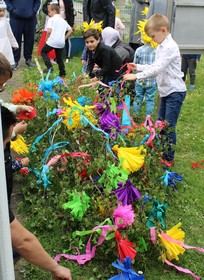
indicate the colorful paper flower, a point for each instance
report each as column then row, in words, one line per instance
column 124, row 247
column 131, row 159
column 114, row 174
column 92, row 25
column 23, row 96
column 170, row 177
column 127, row 273
column 27, row 116
column 19, row 145
column 79, row 204
column 145, row 38
column 158, row 213
column 127, row 193
column 124, row 216
column 110, row 123
column 173, row 250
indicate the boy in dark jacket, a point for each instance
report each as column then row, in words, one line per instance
column 104, row 56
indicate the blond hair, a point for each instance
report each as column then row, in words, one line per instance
column 156, row 22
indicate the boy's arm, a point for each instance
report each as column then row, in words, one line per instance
column 68, row 33
column 49, row 31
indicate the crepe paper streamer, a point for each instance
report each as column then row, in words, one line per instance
column 150, row 126
column 125, row 117
column 54, row 147
column 128, row 114
column 153, row 235
column 127, row 193
column 56, row 158
column 123, row 216
column 158, row 213
column 100, row 130
column 169, row 178
column 83, row 100
column 184, row 270
column 132, row 159
column 90, row 251
column 19, row 145
column 124, row 247
column 112, row 105
column 38, row 67
column 197, row 164
column 114, row 175
column 126, row 272
column 79, row 204
column 32, row 148
column 43, row 177
column 53, row 112
column 92, row 85
column 27, row 116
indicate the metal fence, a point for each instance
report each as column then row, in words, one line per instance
column 124, row 8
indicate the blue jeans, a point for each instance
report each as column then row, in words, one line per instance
column 148, row 93
column 169, row 110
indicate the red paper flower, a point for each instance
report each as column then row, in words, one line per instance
column 26, row 115
column 124, row 247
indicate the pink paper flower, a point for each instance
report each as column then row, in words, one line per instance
column 124, row 216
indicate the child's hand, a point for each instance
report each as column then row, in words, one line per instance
column 82, row 61
column 132, row 66
column 23, row 108
column 129, row 77
column 25, row 161
column 95, row 79
column 20, row 127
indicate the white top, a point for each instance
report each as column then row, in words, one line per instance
column 7, row 40
column 166, row 68
column 59, row 27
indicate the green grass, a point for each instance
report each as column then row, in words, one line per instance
column 185, row 204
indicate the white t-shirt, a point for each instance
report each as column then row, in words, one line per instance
column 59, row 27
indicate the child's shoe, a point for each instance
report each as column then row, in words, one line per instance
column 191, row 87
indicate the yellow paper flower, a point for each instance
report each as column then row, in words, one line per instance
column 145, row 11
column 173, row 250
column 72, row 114
column 145, row 38
column 92, row 25
column 19, row 145
column 131, row 159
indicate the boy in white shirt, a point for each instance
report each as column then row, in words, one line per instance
column 167, row 70
column 56, row 29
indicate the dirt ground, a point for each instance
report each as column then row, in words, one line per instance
column 14, row 83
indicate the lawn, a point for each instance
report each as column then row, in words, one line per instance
column 185, row 203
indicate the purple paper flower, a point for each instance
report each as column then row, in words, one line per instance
column 110, row 123
column 103, row 108
column 127, row 193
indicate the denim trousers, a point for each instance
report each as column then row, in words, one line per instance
column 59, row 52
column 148, row 93
column 169, row 110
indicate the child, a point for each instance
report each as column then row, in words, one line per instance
column 56, row 29
column 7, row 39
column 104, row 56
column 189, row 62
column 167, row 70
column 145, row 88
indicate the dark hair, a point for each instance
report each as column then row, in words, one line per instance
column 7, row 118
column 91, row 32
column 54, row 7
column 5, row 66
